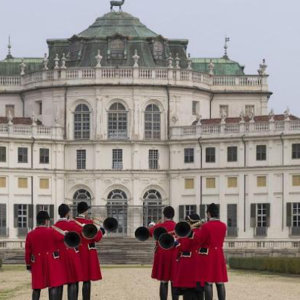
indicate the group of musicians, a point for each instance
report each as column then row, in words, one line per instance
column 54, row 264
column 196, row 261
column 192, row 265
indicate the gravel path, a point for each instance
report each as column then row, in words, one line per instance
column 135, row 284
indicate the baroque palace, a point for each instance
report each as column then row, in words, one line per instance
column 124, row 118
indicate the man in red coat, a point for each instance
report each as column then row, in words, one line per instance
column 164, row 260
column 43, row 258
column 70, row 256
column 211, row 238
column 88, row 253
column 184, row 277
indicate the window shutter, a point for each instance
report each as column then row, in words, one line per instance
column 3, row 215
column 232, row 215
column 202, row 211
column 289, row 214
column 30, row 216
column 253, row 215
column 15, row 215
column 38, row 208
column 194, row 209
column 268, row 211
column 181, row 212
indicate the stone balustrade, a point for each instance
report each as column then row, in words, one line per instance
column 31, row 131
column 134, row 76
column 235, row 129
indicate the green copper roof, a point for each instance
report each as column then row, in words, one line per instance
column 223, row 66
column 11, row 67
column 117, row 23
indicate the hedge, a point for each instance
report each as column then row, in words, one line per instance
column 287, row 265
column 0, row 263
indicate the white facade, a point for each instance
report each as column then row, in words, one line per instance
column 117, row 182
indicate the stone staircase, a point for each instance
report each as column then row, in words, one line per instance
column 112, row 251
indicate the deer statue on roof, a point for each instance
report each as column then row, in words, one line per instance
column 116, row 3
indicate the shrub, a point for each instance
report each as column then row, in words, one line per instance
column 287, row 265
column 0, row 263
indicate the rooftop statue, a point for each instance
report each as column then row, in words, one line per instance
column 116, row 3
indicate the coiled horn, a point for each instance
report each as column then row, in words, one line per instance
column 72, row 239
column 110, row 224
column 142, row 234
column 166, row 241
column 158, row 232
column 183, row 229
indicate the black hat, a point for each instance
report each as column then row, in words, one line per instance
column 213, row 209
column 82, row 207
column 192, row 218
column 169, row 212
column 63, row 209
column 41, row 217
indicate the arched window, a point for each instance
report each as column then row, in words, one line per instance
column 152, row 207
column 117, row 121
column 82, row 122
column 117, row 207
column 152, row 122
column 79, row 196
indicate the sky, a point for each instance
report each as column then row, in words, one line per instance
column 257, row 29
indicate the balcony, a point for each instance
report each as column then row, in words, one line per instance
column 239, row 128
column 31, row 131
column 232, row 232
column 261, row 231
column 133, row 76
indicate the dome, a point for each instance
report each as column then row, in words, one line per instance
column 117, row 23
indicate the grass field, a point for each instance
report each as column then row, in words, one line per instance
column 134, row 283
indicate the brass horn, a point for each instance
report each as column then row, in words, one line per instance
column 71, row 238
column 89, row 231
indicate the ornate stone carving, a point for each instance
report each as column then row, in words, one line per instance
column 189, row 61
column 116, row 3
column 177, row 60
column 56, row 62
column 45, row 62
column 23, row 67
column 136, row 59
column 211, row 68
column 98, row 59
column 262, row 68
column 63, row 62
column 170, row 61
column 287, row 114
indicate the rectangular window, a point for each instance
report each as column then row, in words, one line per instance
column 210, row 155
column 40, row 107
column 261, row 152
column 232, row 182
column 2, row 182
column 44, row 183
column 249, row 110
column 296, row 180
column 232, row 154
column 296, row 214
column 296, row 151
column 188, row 155
column 196, row 106
column 22, row 183
column 189, row 184
column 3, row 220
column 261, row 219
column 9, row 111
column 44, row 156
column 190, row 209
column 224, row 111
column 261, row 181
column 2, row 154
column 22, row 155
column 22, row 216
column 81, row 159
column 210, row 183
column 117, row 163
column 153, row 159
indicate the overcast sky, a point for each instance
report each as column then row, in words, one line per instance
column 258, row 29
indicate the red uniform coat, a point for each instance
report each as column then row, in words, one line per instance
column 211, row 236
column 70, row 256
column 164, row 260
column 89, row 256
column 41, row 253
column 184, row 273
